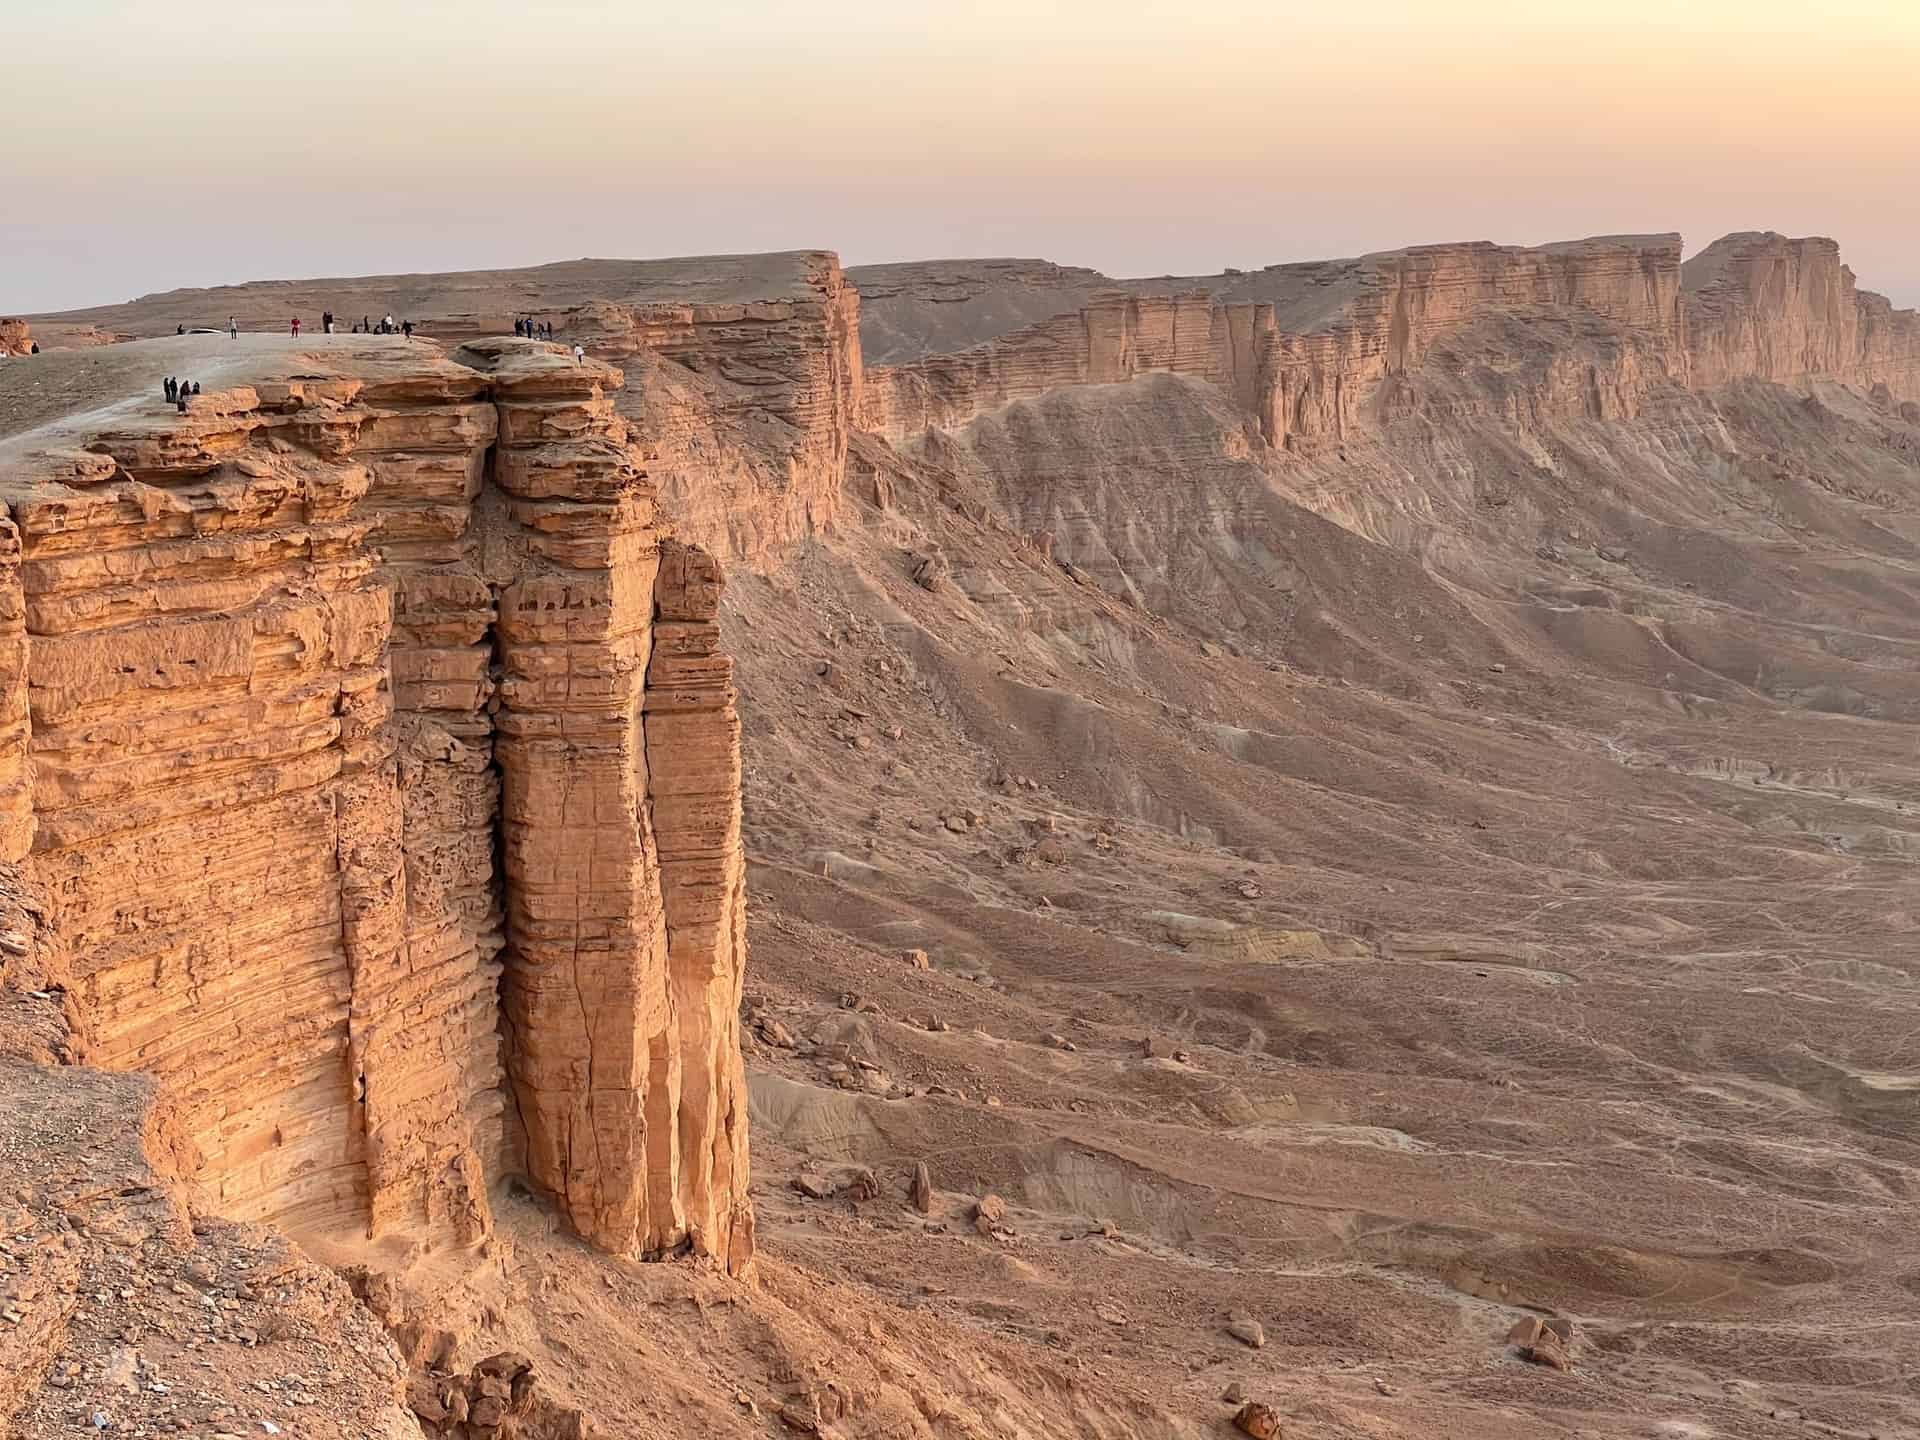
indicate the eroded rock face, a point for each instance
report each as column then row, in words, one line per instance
column 16, row 338
column 1299, row 346
column 1305, row 349
column 1761, row 306
column 746, row 430
column 279, row 679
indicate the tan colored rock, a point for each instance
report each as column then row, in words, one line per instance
column 1301, row 347
column 1260, row 1421
column 1762, row 306
column 920, row 1191
column 278, row 679
column 1548, row 1342
column 1247, row 1330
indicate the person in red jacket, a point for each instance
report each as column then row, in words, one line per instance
column 296, row 327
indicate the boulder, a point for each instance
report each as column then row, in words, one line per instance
column 1260, row 1421
column 1247, row 1330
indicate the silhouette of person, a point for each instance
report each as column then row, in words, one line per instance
column 233, row 328
column 170, row 389
column 406, row 328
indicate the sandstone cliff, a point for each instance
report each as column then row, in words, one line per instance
column 1764, row 307
column 1305, row 349
column 747, row 367
column 366, row 733
column 16, row 337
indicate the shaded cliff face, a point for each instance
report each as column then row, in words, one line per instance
column 369, row 741
column 1306, row 349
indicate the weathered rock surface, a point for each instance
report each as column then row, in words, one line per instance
column 16, row 337
column 1761, row 306
column 1302, row 348
column 745, row 369
column 279, row 678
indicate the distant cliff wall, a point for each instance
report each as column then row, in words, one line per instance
column 749, row 455
column 1756, row 306
column 1762, row 306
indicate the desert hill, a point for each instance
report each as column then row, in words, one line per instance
column 1376, row 798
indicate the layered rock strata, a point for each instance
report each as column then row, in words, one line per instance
column 1764, row 307
column 325, row 730
column 1304, row 348
column 748, row 367
column 747, row 428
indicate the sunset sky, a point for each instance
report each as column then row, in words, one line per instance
column 153, row 145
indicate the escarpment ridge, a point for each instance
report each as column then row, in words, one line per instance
column 369, row 743
column 1302, row 347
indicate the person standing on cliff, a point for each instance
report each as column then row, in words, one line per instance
column 579, row 353
column 386, row 325
column 406, row 329
column 169, row 389
column 326, row 322
column 233, row 328
column 296, row 327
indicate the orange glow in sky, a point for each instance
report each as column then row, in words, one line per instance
column 149, row 147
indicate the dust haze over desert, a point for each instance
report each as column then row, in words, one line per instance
column 1281, row 802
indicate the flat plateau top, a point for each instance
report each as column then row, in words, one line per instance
column 698, row 279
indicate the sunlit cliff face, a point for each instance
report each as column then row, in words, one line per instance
column 1139, row 138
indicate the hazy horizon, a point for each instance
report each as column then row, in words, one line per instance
column 1137, row 139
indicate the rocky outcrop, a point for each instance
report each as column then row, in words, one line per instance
column 1301, row 386
column 746, row 430
column 16, row 337
column 1761, row 306
column 1593, row 328
column 284, row 675
column 1114, row 338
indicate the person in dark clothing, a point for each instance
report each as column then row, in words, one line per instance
column 196, row 387
column 180, row 398
column 326, row 322
column 179, row 329
column 406, row 328
column 366, row 325
column 169, row 389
